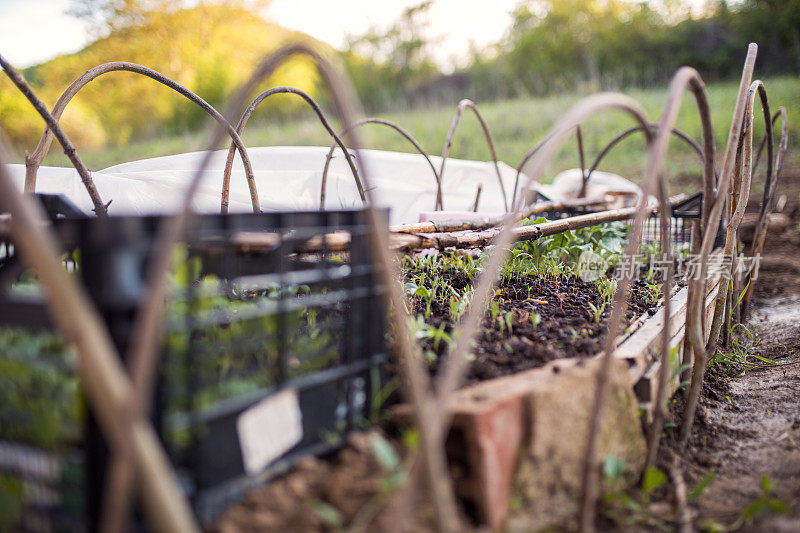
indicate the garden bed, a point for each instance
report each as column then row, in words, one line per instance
column 538, row 320
column 516, row 437
column 542, row 309
column 529, row 385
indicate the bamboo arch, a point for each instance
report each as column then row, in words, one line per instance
column 34, row 160
column 685, row 78
column 739, row 196
column 448, row 143
column 226, row 179
column 685, row 137
column 602, row 153
column 399, row 130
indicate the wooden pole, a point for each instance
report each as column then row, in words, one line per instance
column 108, row 388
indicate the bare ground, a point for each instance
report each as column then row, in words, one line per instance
column 748, row 425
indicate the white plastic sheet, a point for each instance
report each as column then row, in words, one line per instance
column 567, row 184
column 287, row 178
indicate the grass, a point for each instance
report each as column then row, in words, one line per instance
column 516, row 125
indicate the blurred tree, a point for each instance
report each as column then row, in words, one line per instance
column 386, row 64
column 210, row 48
column 564, row 45
column 778, row 22
column 105, row 16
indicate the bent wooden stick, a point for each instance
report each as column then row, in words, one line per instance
column 100, row 208
column 448, row 143
column 33, row 162
column 695, row 323
column 405, row 242
column 107, row 387
column 398, row 129
column 685, row 79
column 739, row 196
column 767, row 203
column 226, row 177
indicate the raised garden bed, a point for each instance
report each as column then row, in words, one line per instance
column 514, row 449
column 525, row 433
column 542, row 309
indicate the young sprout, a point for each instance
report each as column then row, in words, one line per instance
column 606, row 287
column 597, row 311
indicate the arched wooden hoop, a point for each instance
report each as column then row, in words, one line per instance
column 603, row 153
column 767, row 203
column 100, row 208
column 399, row 130
column 712, row 211
column 34, row 160
column 448, row 143
column 738, row 198
column 684, row 79
column 226, row 178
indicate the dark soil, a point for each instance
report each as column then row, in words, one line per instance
column 345, row 489
column 566, row 326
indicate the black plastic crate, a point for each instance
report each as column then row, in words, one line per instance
column 246, row 326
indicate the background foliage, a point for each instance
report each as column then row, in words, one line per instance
column 552, row 49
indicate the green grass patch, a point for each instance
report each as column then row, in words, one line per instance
column 516, row 125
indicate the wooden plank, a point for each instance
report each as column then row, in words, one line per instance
column 645, row 384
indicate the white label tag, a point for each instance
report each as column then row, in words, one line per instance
column 269, row 429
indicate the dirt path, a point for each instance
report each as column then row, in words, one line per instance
column 757, row 427
column 748, row 425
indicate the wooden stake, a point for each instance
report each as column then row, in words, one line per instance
column 108, row 388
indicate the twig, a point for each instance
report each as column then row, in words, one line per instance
column 686, row 78
column 478, row 239
column 463, row 104
column 633, row 129
column 33, row 162
column 226, row 178
column 739, row 196
column 683, row 512
column 767, row 203
column 477, row 198
column 606, row 149
column 398, row 129
column 100, row 208
column 582, row 161
column 524, row 162
column 439, row 226
column 712, row 212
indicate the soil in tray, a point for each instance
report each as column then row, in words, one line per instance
column 350, row 489
column 532, row 321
